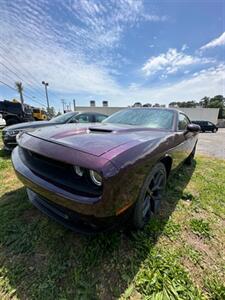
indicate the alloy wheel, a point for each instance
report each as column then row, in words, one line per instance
column 154, row 193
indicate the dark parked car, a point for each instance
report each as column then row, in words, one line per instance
column 9, row 133
column 90, row 178
column 13, row 112
column 206, row 126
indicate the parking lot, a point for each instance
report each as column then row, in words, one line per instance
column 212, row 144
column 185, row 241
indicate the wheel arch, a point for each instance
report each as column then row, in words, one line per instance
column 167, row 161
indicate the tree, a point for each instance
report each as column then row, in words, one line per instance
column 183, row 104
column 218, row 102
column 204, row 102
column 51, row 112
column 19, row 88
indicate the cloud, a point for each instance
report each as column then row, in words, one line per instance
column 74, row 46
column 220, row 41
column 104, row 23
column 208, row 82
column 71, row 44
column 170, row 62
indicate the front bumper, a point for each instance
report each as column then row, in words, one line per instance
column 77, row 203
column 94, row 213
column 9, row 142
column 74, row 221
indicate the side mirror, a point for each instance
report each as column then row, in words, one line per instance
column 193, row 127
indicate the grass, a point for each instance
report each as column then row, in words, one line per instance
column 179, row 255
column 200, row 227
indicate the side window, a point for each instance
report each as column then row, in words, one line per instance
column 84, row 118
column 209, row 124
column 183, row 122
column 73, row 119
column 99, row 118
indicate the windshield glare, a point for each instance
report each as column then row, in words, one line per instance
column 151, row 118
column 63, row 118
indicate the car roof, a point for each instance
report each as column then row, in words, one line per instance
column 154, row 108
column 88, row 112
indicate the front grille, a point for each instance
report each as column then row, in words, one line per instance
column 59, row 173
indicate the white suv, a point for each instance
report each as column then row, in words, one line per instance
column 2, row 121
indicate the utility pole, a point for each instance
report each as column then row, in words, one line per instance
column 69, row 107
column 63, row 103
column 46, row 93
column 74, row 105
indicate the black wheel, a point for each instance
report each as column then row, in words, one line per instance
column 151, row 195
column 214, row 130
column 190, row 158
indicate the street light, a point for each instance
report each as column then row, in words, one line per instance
column 46, row 92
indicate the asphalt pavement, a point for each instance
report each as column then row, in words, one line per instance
column 212, row 144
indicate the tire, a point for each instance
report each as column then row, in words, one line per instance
column 11, row 121
column 214, row 130
column 189, row 160
column 149, row 200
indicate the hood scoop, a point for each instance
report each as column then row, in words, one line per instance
column 99, row 130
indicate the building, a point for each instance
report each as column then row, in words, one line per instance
column 198, row 113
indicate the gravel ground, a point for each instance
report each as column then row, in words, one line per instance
column 212, row 144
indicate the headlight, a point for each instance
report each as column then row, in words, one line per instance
column 12, row 132
column 96, row 178
column 79, row 171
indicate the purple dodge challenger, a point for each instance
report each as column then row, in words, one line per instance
column 91, row 177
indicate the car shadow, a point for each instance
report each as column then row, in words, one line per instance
column 5, row 154
column 40, row 259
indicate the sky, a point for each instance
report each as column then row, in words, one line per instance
column 122, row 51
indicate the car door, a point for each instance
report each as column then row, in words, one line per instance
column 184, row 140
column 190, row 137
column 210, row 126
column 205, row 126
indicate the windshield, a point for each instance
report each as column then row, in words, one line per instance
column 152, row 118
column 63, row 118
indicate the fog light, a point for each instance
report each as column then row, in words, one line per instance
column 96, row 178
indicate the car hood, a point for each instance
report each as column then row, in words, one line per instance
column 97, row 139
column 29, row 125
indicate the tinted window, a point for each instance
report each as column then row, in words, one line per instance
column 152, row 118
column 183, row 122
column 99, row 118
column 63, row 118
column 84, row 118
column 13, row 107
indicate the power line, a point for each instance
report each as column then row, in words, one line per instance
column 26, row 94
column 10, row 78
column 30, row 82
column 18, row 63
column 10, row 70
column 23, row 73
